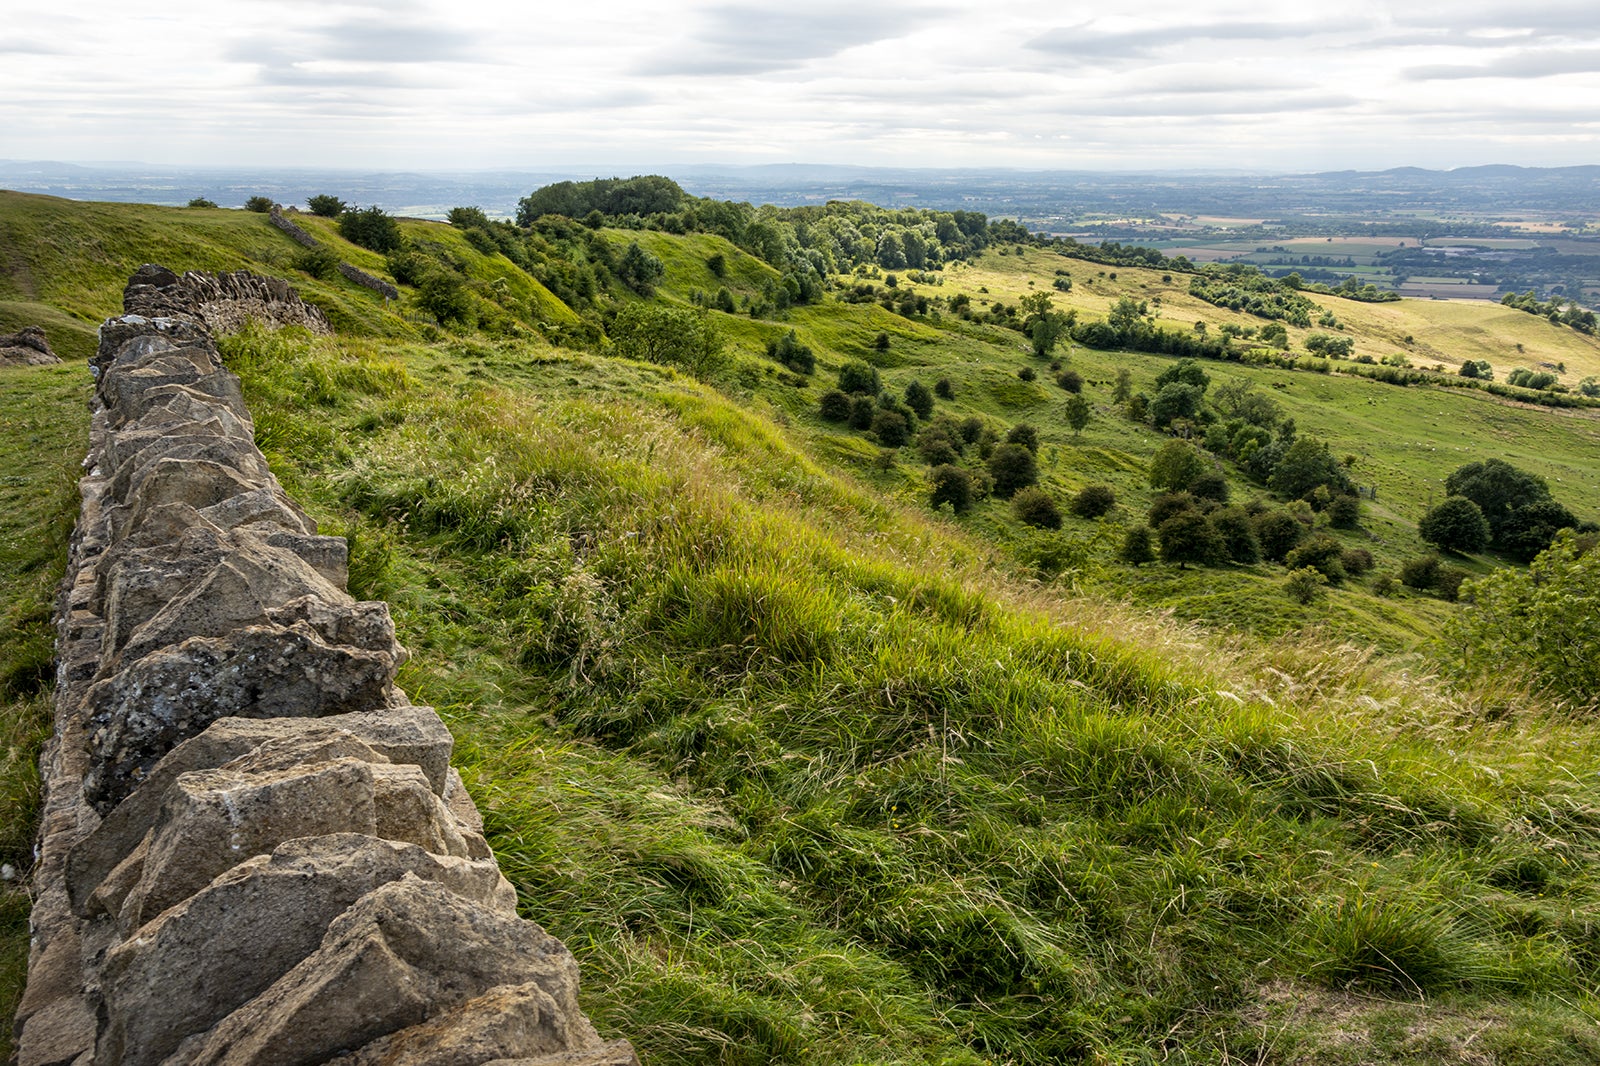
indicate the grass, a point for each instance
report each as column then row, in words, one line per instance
column 801, row 781
column 43, row 430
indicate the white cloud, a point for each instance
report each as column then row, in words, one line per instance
column 423, row 83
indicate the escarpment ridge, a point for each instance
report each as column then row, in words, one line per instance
column 253, row 847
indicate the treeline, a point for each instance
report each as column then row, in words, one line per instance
column 1574, row 316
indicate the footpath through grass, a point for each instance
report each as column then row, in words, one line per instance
column 800, row 781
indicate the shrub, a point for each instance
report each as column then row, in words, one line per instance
column 371, row 228
column 1024, row 434
column 672, row 336
column 1137, row 546
column 791, row 353
column 1356, row 561
column 1344, row 511
column 952, row 485
column 1420, row 573
column 834, row 406
column 1448, row 583
column 407, row 266
column 1027, row 373
column 1175, row 466
column 1304, row 585
column 1455, row 525
column 890, row 427
column 201, row 201
column 880, row 343
column 1320, row 552
column 1168, row 504
column 1013, row 468
column 1383, row 585
column 1545, row 619
column 1210, row 486
column 1034, row 506
column 717, row 263
column 1070, row 380
column 858, row 377
column 319, row 262
column 1187, row 537
column 1093, row 501
column 920, row 400
column 259, row 204
column 944, row 389
column 325, row 206
column 444, row 296
column 862, row 412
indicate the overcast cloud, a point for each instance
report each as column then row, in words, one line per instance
column 420, row 84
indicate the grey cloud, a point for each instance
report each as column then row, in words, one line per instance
column 1522, row 64
column 756, row 40
column 25, row 47
column 1553, row 18
column 1255, row 103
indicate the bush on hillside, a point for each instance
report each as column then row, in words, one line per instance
column 1093, row 501
column 1034, row 506
column 1013, row 468
column 371, row 228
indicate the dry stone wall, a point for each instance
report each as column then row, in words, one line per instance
column 349, row 272
column 254, row 849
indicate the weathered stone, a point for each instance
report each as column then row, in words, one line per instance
column 405, row 952
column 614, row 1053
column 170, row 695
column 58, row 1034
column 410, row 735
column 511, row 1020
column 169, row 980
column 26, row 347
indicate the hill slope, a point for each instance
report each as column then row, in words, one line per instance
column 805, row 772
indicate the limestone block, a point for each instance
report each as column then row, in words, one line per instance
column 407, row 735
column 138, row 715
column 614, row 1053
column 57, row 1035
column 407, row 951
column 170, row 980
column 266, row 504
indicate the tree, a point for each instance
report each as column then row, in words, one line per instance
column 1093, row 501
column 1187, row 537
column 862, row 411
column 1456, row 525
column 639, row 270
column 1278, row 532
column 1543, row 621
column 1498, row 488
column 1137, row 548
column 920, row 400
column 326, row 206
column 1034, row 506
column 1184, row 372
column 1306, row 464
column 201, row 201
column 791, row 353
column 1175, row 400
column 370, row 227
column 1124, row 386
column 259, row 204
column 1532, row 527
column 671, row 336
column 1078, row 411
column 1012, row 466
column 856, row 376
column 1238, row 534
column 1127, row 316
column 1176, row 464
column 952, row 485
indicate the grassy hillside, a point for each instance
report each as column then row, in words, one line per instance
column 805, row 771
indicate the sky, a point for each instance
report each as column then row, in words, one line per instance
column 434, row 84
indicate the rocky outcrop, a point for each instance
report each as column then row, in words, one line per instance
column 254, row 850
column 26, row 347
